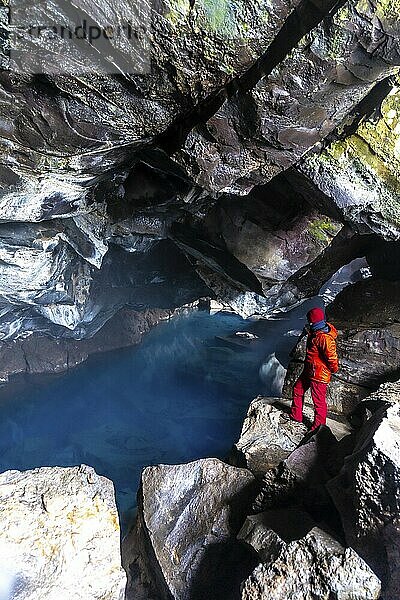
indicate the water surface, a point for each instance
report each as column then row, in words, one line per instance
column 178, row 396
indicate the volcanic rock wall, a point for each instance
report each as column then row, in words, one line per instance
column 190, row 151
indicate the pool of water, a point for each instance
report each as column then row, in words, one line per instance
column 178, row 396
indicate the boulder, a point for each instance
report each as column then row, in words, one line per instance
column 387, row 393
column 267, row 437
column 184, row 543
column 367, row 491
column 314, row 567
column 59, row 535
column 300, row 479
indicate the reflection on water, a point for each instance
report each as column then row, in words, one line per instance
column 181, row 395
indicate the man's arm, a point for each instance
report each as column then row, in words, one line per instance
column 328, row 347
column 305, row 332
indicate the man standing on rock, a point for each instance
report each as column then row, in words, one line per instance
column 321, row 361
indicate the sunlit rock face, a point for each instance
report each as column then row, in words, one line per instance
column 360, row 174
column 209, row 530
column 59, row 535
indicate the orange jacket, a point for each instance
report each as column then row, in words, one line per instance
column 321, row 357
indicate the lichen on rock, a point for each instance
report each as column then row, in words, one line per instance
column 360, row 174
column 60, row 535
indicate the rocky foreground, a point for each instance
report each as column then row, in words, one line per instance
column 304, row 516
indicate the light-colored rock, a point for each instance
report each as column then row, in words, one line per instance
column 59, row 535
column 267, row 436
column 316, row 567
column 272, row 373
column 301, row 561
column 367, row 491
column 360, row 174
column 184, row 542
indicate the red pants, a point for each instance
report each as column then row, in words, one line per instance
column 318, row 394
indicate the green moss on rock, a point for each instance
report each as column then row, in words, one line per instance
column 219, row 15
column 388, row 10
column 356, row 149
column 323, row 229
column 178, row 10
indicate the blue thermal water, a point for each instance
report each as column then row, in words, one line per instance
column 178, row 396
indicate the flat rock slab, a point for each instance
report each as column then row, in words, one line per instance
column 185, row 535
column 267, row 437
column 314, row 567
column 59, row 535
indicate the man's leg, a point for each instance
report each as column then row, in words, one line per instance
column 300, row 387
column 318, row 394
